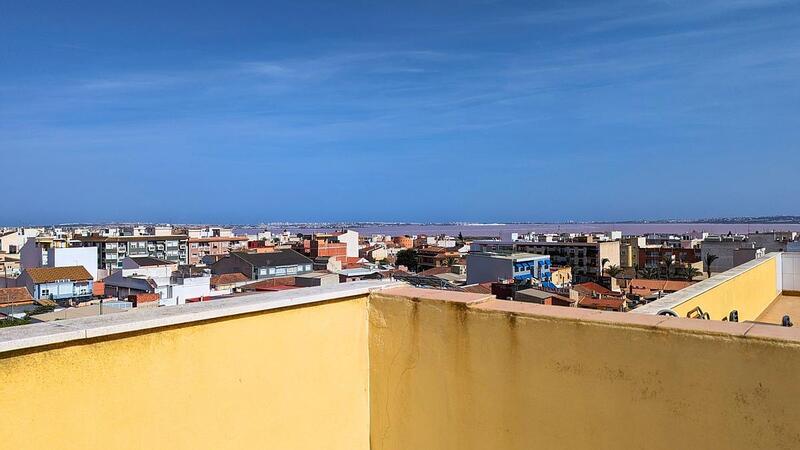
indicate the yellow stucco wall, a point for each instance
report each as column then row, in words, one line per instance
column 447, row 376
column 286, row 379
column 399, row 374
column 749, row 293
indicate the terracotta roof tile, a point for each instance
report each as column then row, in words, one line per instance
column 51, row 274
column 228, row 278
column 435, row 271
column 660, row 285
column 482, row 288
column 593, row 288
column 15, row 296
column 604, row 303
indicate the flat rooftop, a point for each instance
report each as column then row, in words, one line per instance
column 783, row 305
column 316, row 274
column 763, row 290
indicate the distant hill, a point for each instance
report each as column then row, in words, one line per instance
column 756, row 219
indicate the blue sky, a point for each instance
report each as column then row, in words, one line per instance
column 487, row 111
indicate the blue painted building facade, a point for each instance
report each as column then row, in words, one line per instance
column 58, row 283
column 61, row 290
column 537, row 268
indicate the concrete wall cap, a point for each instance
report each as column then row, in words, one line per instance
column 38, row 334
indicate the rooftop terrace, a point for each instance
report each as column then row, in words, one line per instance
column 377, row 365
column 763, row 290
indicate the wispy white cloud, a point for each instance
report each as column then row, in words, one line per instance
column 607, row 16
column 386, row 93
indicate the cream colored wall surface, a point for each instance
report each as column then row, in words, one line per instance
column 292, row 378
column 445, row 375
column 750, row 293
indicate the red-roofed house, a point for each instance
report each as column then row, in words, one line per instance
column 480, row 288
column 594, row 296
column 647, row 288
column 592, row 288
column 602, row 303
column 228, row 281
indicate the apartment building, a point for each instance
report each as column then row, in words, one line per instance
column 654, row 257
column 326, row 245
column 212, row 241
column 112, row 250
column 585, row 258
column 403, row 241
column 629, row 250
column 434, row 256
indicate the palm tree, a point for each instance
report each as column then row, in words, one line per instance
column 650, row 273
column 691, row 273
column 668, row 262
column 450, row 261
column 613, row 271
column 710, row 260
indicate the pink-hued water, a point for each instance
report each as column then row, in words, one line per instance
column 497, row 229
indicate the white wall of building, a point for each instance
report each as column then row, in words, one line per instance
column 31, row 256
column 155, row 272
column 74, row 256
column 350, row 237
column 190, row 288
column 790, row 271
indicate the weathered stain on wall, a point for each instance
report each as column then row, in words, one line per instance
column 494, row 379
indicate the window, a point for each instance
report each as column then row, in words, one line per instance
column 264, row 271
column 45, row 292
column 272, row 271
column 308, row 267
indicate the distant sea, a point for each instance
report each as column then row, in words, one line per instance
column 495, row 230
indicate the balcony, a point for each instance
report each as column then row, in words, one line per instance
column 370, row 365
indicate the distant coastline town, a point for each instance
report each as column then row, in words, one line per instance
column 61, row 271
